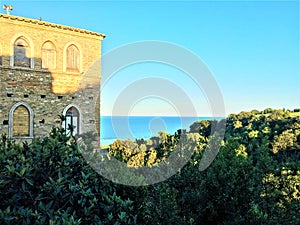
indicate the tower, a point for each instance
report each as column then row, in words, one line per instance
column 47, row 70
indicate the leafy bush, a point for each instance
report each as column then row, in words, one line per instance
column 49, row 182
column 254, row 179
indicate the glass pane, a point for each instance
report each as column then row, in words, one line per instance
column 75, row 125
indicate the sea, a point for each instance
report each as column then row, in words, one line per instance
column 137, row 127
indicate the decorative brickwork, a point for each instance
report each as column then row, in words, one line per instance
column 42, row 67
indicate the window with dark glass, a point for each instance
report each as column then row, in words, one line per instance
column 72, row 121
column 0, row 57
column 21, row 53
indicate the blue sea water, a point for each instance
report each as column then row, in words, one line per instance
column 137, row 127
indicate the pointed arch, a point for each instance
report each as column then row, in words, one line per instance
column 73, row 118
column 22, row 53
column 72, row 58
column 48, row 55
column 20, row 121
column 0, row 55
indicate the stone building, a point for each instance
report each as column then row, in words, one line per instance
column 47, row 70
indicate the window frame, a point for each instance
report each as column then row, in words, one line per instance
column 1, row 56
column 22, row 46
column 48, row 51
column 79, row 119
column 66, row 67
column 11, row 120
column 29, row 51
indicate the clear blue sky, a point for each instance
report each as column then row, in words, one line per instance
column 251, row 47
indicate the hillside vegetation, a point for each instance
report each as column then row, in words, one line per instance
column 255, row 178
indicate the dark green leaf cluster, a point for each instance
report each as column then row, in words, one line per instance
column 255, row 178
column 49, row 182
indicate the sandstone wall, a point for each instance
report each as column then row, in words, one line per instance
column 47, row 92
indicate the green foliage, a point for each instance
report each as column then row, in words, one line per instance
column 49, row 182
column 254, row 179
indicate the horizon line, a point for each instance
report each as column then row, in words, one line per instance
column 167, row 116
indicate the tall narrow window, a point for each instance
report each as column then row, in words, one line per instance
column 21, row 122
column 73, row 59
column 48, row 55
column 21, row 53
column 72, row 121
column 0, row 56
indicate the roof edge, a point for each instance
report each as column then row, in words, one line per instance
column 48, row 24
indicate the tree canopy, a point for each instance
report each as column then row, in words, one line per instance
column 254, row 179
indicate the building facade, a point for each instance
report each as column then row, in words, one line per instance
column 48, row 70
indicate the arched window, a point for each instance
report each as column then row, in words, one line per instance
column 48, row 55
column 21, row 53
column 73, row 59
column 0, row 56
column 72, row 120
column 21, row 121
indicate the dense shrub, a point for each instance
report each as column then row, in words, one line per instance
column 254, row 179
column 49, row 182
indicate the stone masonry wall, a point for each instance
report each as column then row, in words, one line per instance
column 34, row 88
column 48, row 92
